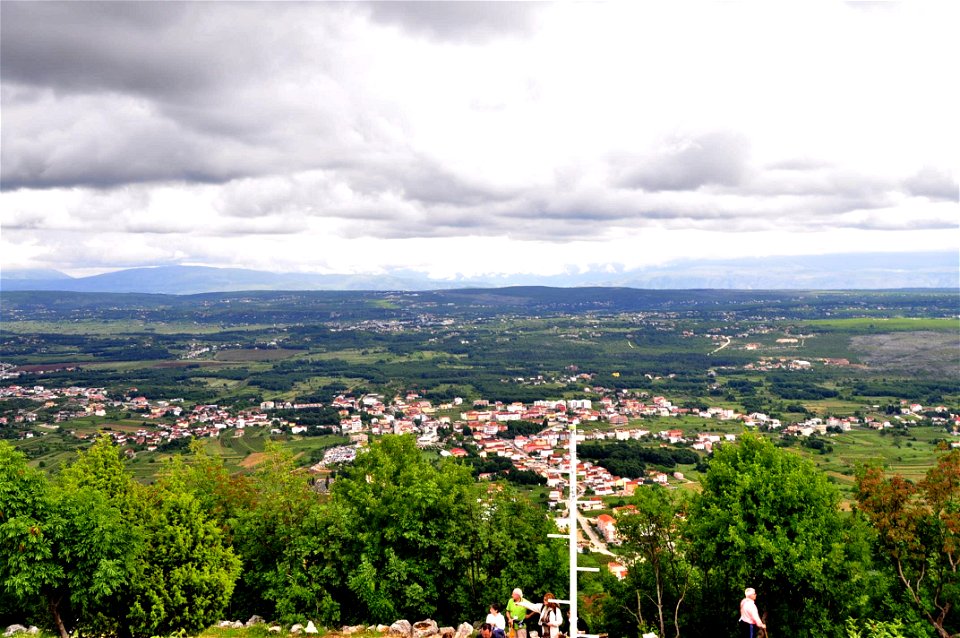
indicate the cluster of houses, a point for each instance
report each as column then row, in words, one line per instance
column 79, row 402
column 908, row 413
column 482, row 423
column 164, row 420
column 608, row 418
column 767, row 364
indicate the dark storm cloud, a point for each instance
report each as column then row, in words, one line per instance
column 718, row 158
column 278, row 118
column 457, row 21
column 445, row 187
column 15, row 220
column 103, row 94
column 160, row 49
column 110, row 140
column 81, row 46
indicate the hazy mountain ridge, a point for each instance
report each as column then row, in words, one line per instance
column 824, row 272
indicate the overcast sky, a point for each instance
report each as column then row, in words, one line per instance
column 473, row 138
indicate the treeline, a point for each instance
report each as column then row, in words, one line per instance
column 269, row 307
column 499, row 467
column 310, row 416
column 926, row 390
column 93, row 552
column 767, row 519
column 522, row 428
column 799, row 386
column 630, row 458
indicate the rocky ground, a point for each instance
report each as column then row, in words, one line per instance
column 928, row 352
column 256, row 627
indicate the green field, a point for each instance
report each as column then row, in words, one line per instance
column 254, row 354
column 910, row 456
column 874, row 325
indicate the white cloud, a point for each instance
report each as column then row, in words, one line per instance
column 472, row 137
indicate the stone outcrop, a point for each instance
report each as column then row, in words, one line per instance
column 352, row 630
column 464, row 630
column 400, row 629
column 425, row 629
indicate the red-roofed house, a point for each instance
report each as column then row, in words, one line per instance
column 617, row 570
column 607, row 526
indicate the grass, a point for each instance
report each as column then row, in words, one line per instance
column 234, row 449
column 256, row 354
column 312, row 384
column 910, row 456
column 380, row 356
column 351, row 355
column 874, row 325
column 688, row 424
column 837, row 407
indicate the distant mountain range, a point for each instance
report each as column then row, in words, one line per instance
column 855, row 271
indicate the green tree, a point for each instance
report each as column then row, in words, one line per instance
column 423, row 539
column 71, row 548
column 223, row 496
column 513, row 550
column 875, row 629
column 406, row 525
column 289, row 547
column 102, row 468
column 186, row 573
column 769, row 519
column 918, row 533
column 655, row 548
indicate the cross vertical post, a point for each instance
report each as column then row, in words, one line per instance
column 573, row 530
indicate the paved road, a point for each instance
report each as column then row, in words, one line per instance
column 596, row 543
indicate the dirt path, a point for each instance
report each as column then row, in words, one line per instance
column 727, row 343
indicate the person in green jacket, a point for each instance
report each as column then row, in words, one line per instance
column 518, row 613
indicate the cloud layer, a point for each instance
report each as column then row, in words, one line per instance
column 470, row 137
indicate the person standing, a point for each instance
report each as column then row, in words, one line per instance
column 550, row 617
column 750, row 621
column 518, row 612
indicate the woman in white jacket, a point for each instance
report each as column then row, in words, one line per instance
column 550, row 617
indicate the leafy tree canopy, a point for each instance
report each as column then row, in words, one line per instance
column 769, row 519
column 918, row 534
